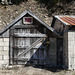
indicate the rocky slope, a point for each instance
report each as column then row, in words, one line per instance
column 10, row 12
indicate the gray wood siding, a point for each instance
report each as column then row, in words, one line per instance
column 5, row 34
column 20, row 44
column 24, row 48
column 58, row 26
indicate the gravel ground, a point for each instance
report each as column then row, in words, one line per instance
column 34, row 71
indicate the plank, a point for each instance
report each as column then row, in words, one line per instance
column 25, row 26
column 29, row 35
column 20, row 47
column 11, row 50
column 29, row 48
column 27, row 59
column 21, row 59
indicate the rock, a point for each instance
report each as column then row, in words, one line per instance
column 40, row 10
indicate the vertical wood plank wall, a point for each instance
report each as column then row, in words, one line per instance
column 42, row 53
column 36, row 56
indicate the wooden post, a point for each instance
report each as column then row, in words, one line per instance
column 48, row 46
column 11, row 44
column 59, row 52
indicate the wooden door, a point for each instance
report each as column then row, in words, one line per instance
column 28, row 47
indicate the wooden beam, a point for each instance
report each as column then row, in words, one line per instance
column 18, row 47
column 11, row 50
column 21, row 59
column 25, row 26
column 29, row 35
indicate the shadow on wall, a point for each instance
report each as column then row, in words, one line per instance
column 40, row 59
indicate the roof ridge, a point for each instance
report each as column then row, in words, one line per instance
column 20, row 16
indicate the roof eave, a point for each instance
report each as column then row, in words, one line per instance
column 57, row 17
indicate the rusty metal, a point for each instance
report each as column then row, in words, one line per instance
column 69, row 20
column 66, row 19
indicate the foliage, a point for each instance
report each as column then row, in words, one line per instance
column 52, row 2
column 12, row 1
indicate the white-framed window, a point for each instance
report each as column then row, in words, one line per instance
column 27, row 20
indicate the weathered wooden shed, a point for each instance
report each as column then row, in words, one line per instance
column 65, row 26
column 28, row 40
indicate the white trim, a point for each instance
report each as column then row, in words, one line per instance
column 27, row 22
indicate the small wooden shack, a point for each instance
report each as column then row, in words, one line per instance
column 28, row 40
column 65, row 26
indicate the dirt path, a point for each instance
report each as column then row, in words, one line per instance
column 34, row 71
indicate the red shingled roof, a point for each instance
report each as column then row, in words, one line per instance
column 68, row 20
